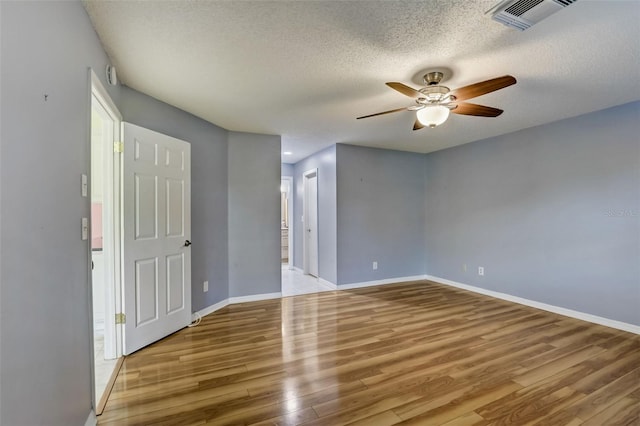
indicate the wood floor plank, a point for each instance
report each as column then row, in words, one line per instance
column 386, row 418
column 624, row 412
column 532, row 397
column 468, row 419
column 470, row 400
column 291, row 418
column 529, row 412
column 595, row 402
column 605, row 374
column 549, row 369
column 406, row 353
column 164, row 408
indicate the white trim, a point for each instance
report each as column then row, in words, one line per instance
column 381, row 282
column 327, row 283
column 306, row 177
column 254, row 297
column 233, row 300
column 209, row 310
column 91, row 420
column 539, row 305
column 111, row 222
column 290, row 202
column 98, row 324
column 103, row 96
column 295, row 268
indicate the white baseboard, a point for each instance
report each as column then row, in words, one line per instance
column 539, row 305
column 233, row 300
column 254, row 297
column 91, row 420
column 380, row 282
column 327, row 283
column 209, row 309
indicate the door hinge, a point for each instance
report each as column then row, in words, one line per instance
column 121, row 318
column 118, row 147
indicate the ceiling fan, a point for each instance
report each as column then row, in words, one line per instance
column 434, row 102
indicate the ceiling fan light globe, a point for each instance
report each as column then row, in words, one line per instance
column 432, row 116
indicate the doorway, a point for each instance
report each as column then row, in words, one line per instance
column 140, row 239
column 105, row 282
column 310, row 215
column 286, row 213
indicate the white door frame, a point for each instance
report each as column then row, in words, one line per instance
column 111, row 228
column 306, row 176
column 289, row 180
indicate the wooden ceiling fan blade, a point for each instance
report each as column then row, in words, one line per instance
column 466, row 108
column 405, row 90
column 382, row 113
column 484, row 87
column 417, row 125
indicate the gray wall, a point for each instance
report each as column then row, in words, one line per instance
column 209, row 259
column 46, row 48
column 254, row 214
column 381, row 212
column 286, row 169
column 325, row 162
column 551, row 212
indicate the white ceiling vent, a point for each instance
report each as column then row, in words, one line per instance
column 522, row 14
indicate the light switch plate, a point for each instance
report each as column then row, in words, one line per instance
column 85, row 185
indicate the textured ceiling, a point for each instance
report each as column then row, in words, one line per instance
column 306, row 69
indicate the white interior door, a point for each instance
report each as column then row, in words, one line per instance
column 157, row 228
column 311, row 222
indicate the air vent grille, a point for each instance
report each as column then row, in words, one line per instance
column 513, row 23
column 522, row 14
column 565, row 2
column 522, row 6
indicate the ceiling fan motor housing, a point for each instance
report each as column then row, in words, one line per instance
column 432, row 78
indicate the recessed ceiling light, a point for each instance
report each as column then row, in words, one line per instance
column 287, row 153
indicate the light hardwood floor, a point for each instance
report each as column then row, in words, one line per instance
column 410, row 353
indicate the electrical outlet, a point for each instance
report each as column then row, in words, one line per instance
column 375, row 265
column 205, row 286
column 480, row 270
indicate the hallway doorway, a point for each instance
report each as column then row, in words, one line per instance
column 286, row 213
column 104, row 237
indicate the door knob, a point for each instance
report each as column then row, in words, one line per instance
column 187, row 243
